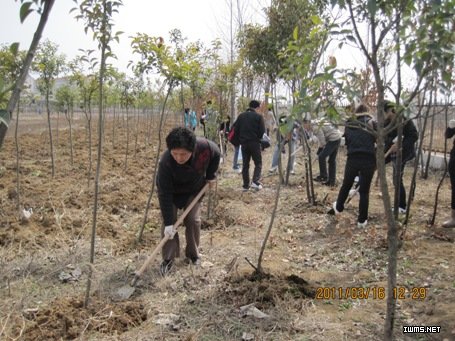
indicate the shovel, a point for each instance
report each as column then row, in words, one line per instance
column 127, row 290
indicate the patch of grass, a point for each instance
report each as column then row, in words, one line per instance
column 36, row 173
column 346, row 305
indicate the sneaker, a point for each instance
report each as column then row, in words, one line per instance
column 256, row 185
column 333, row 210
column 330, row 184
column 400, row 210
column 362, row 225
column 292, row 172
column 245, row 189
column 237, row 170
column 320, row 178
column 273, row 169
column 166, row 266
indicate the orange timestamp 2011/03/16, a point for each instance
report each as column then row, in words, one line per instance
column 364, row 293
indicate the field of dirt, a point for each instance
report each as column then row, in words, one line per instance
column 325, row 278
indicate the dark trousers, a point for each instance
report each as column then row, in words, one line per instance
column 330, row 151
column 452, row 176
column 251, row 150
column 192, row 224
column 364, row 167
column 402, row 197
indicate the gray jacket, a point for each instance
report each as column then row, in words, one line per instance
column 326, row 132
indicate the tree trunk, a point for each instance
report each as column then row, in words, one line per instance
column 50, row 132
column 430, row 147
column 14, row 99
column 157, row 158
column 436, row 198
column 127, row 138
column 98, row 163
column 417, row 161
column 16, row 139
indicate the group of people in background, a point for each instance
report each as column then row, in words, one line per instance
column 361, row 157
column 190, row 162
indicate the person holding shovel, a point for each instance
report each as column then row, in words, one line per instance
column 184, row 168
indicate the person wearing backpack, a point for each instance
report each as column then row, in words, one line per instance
column 250, row 128
column 361, row 162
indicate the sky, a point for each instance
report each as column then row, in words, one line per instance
column 203, row 20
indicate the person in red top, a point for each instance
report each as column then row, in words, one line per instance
column 185, row 167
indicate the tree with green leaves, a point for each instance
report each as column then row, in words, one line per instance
column 11, row 64
column 43, row 7
column 169, row 63
column 66, row 97
column 415, row 33
column 49, row 64
column 84, row 75
column 97, row 17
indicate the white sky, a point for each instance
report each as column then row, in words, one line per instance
column 203, row 20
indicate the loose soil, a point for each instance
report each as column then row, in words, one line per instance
column 324, row 279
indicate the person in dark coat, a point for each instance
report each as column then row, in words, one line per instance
column 250, row 127
column 410, row 137
column 361, row 162
column 450, row 132
column 185, row 167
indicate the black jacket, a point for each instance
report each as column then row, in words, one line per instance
column 449, row 133
column 177, row 183
column 410, row 137
column 359, row 141
column 250, row 126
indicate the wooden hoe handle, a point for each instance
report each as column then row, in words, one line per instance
column 139, row 273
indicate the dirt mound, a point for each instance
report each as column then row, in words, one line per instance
column 66, row 318
column 264, row 289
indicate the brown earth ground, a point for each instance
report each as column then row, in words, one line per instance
column 44, row 260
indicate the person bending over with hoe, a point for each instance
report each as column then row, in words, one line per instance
column 185, row 167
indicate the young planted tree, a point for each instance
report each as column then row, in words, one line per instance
column 414, row 27
column 97, row 16
column 11, row 63
column 43, row 7
column 157, row 57
column 48, row 64
column 263, row 48
column 87, row 86
column 127, row 100
column 66, row 96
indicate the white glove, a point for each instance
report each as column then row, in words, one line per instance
column 452, row 123
column 170, row 231
column 314, row 140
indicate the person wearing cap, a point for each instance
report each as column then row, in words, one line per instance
column 361, row 162
column 184, row 168
column 410, row 137
column 251, row 127
column 450, row 132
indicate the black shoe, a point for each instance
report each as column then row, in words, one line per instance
column 166, row 266
column 320, row 178
column 328, row 183
column 196, row 261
